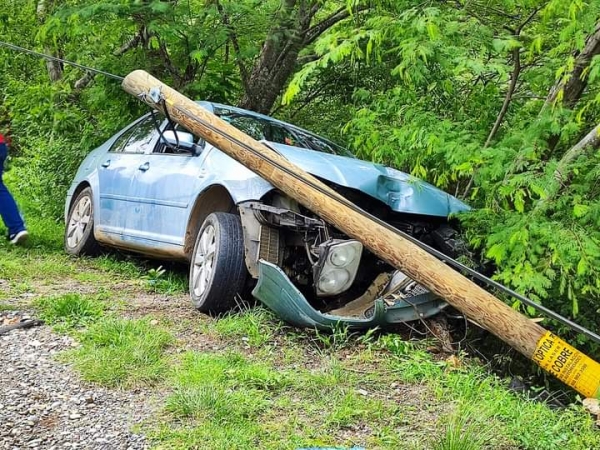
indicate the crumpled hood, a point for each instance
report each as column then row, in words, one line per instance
column 400, row 191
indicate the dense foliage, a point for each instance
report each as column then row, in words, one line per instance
column 484, row 98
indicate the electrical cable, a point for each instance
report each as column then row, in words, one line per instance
column 434, row 252
column 54, row 58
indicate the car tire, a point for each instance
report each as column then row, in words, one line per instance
column 79, row 230
column 218, row 272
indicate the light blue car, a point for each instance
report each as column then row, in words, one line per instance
column 157, row 190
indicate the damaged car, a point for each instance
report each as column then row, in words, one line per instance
column 156, row 189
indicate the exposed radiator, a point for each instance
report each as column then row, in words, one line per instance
column 269, row 248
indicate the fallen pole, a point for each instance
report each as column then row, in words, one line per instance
column 547, row 350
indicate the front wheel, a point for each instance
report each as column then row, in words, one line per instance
column 217, row 271
column 79, row 232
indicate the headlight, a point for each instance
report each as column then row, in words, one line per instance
column 342, row 255
column 337, row 266
column 331, row 282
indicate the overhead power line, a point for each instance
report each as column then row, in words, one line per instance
column 432, row 251
column 64, row 61
column 445, row 258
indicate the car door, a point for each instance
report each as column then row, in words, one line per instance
column 165, row 191
column 116, row 174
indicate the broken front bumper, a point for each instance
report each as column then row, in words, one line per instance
column 275, row 290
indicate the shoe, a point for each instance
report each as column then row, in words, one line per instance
column 18, row 238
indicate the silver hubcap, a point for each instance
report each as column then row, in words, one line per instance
column 204, row 260
column 80, row 218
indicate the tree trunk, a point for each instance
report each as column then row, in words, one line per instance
column 276, row 61
column 292, row 32
column 569, row 89
column 55, row 68
column 268, row 77
column 590, row 142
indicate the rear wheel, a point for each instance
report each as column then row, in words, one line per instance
column 79, row 232
column 217, row 271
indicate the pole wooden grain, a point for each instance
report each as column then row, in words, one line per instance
column 478, row 304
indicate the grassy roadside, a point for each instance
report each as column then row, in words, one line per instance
column 247, row 381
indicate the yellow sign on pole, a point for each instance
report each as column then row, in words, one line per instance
column 568, row 364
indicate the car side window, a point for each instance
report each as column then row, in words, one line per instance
column 162, row 148
column 119, row 145
column 137, row 139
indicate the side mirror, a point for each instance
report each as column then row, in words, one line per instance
column 181, row 139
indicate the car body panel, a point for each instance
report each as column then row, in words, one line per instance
column 275, row 290
column 163, row 194
column 400, row 191
column 115, row 188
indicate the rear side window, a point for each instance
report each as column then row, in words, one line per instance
column 136, row 139
column 121, row 142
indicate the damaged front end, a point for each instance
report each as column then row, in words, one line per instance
column 312, row 275
column 380, row 305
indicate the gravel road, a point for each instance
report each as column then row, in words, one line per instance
column 45, row 405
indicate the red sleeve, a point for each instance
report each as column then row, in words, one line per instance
column 1, row 139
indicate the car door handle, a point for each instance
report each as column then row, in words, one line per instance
column 106, row 163
column 144, row 166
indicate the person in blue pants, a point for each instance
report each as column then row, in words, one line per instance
column 17, row 233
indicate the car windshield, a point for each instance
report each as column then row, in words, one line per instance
column 272, row 131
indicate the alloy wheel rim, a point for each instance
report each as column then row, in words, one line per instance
column 80, row 219
column 204, row 261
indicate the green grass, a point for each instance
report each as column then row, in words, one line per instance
column 262, row 384
column 255, row 327
column 7, row 307
column 121, row 352
column 258, row 405
column 378, row 392
column 70, row 310
column 159, row 280
column 515, row 419
column 464, row 431
column 42, row 262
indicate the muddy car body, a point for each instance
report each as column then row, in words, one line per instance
column 155, row 189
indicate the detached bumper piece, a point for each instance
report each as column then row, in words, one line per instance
column 275, row 290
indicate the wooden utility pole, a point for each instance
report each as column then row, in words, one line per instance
column 550, row 352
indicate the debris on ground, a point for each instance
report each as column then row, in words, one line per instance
column 592, row 405
column 14, row 321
